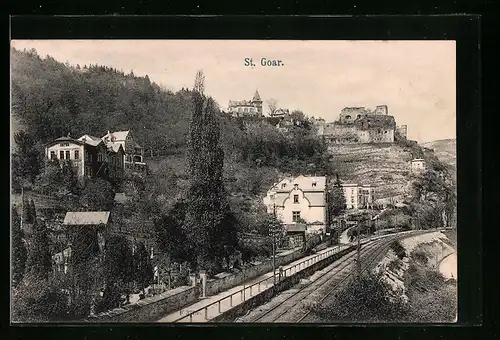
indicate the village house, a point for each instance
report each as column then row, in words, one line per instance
column 246, row 108
column 359, row 196
column 109, row 157
column 87, row 225
column 300, row 200
column 133, row 157
column 417, row 165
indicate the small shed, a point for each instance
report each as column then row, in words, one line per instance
column 95, row 221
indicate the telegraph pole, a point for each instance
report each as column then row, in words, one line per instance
column 22, row 206
column 274, row 247
column 359, row 255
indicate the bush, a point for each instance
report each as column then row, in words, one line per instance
column 419, row 256
column 367, row 300
column 37, row 300
column 398, row 249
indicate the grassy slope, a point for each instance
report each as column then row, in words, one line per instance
column 382, row 165
column 445, row 150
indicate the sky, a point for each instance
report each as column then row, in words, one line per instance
column 415, row 79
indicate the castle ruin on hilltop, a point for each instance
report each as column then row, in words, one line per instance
column 360, row 125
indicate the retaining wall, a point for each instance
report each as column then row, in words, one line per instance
column 215, row 286
column 284, row 284
column 152, row 308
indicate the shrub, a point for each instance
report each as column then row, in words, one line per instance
column 398, row 249
column 367, row 300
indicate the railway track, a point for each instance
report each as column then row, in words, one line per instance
column 334, row 275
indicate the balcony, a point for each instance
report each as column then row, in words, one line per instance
column 136, row 166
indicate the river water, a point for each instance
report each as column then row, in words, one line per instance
column 448, row 267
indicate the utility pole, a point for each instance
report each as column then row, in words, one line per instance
column 22, row 206
column 359, row 255
column 274, row 247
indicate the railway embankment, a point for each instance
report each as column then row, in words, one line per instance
column 414, row 281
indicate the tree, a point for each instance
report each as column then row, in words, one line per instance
column 170, row 235
column 118, row 271
column 97, row 195
column 272, row 105
column 27, row 160
column 298, row 115
column 143, row 269
column 336, row 200
column 38, row 263
column 206, row 223
column 199, row 82
column 27, row 212
column 32, row 213
column 39, row 300
column 19, row 254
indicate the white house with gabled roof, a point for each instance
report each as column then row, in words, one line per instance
column 300, row 199
column 134, row 153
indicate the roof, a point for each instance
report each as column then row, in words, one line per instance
column 120, row 197
column 86, row 218
column 65, row 139
column 90, row 140
column 256, row 97
column 115, row 147
column 305, row 183
column 119, row 135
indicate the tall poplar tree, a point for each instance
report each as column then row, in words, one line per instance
column 18, row 249
column 209, row 224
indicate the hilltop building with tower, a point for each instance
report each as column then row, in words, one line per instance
column 246, row 108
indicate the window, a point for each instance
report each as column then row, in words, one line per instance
column 295, row 216
column 379, row 131
column 53, row 155
column 283, row 185
column 86, row 154
column 385, row 131
column 246, row 109
column 61, row 154
column 359, row 116
column 347, row 117
column 295, row 198
column 64, row 144
column 314, row 184
column 68, row 155
column 77, row 154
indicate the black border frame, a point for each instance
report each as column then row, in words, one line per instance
column 465, row 29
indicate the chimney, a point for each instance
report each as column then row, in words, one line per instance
column 68, row 134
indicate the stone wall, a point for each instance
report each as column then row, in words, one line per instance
column 215, row 286
column 150, row 309
column 284, row 284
